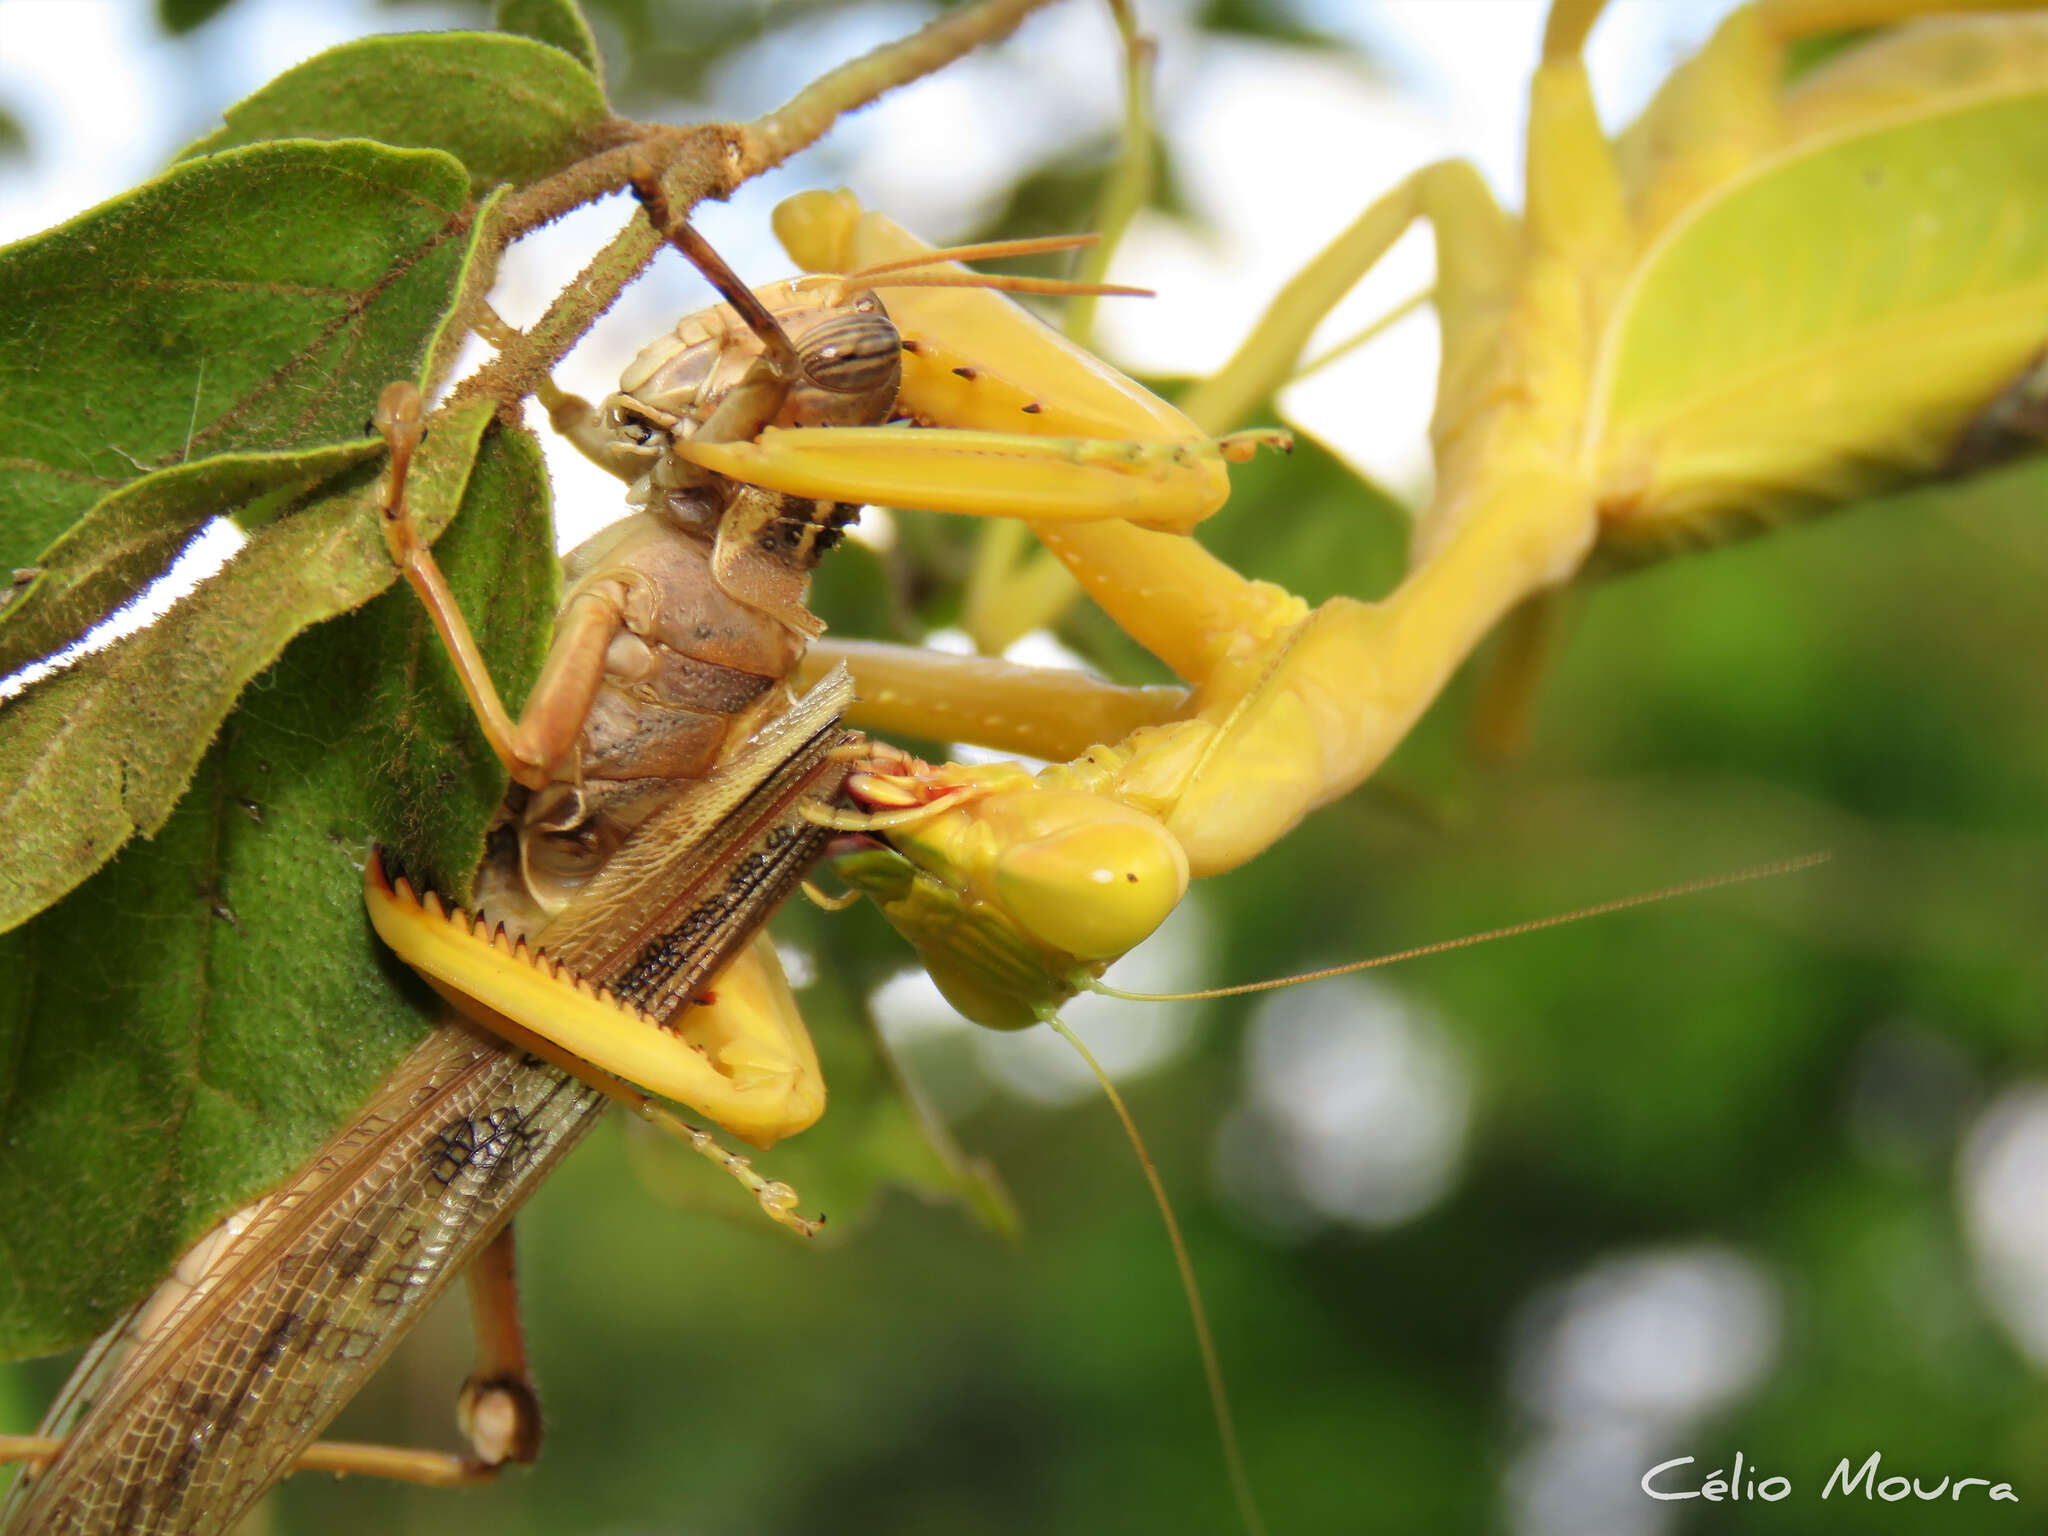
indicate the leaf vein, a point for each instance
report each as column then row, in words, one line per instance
column 349, row 315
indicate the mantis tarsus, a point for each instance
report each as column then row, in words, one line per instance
column 1423, row 192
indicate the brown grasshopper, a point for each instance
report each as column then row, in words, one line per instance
column 652, row 827
column 670, row 790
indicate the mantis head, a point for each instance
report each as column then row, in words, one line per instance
column 1017, row 896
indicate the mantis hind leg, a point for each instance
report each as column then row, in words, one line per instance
column 1181, row 603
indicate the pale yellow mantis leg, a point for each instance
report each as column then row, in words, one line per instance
column 1300, row 708
column 1041, row 712
column 745, row 1060
column 1291, row 708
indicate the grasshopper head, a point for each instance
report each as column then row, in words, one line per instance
column 850, row 351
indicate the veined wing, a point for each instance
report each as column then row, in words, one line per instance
column 211, row 1408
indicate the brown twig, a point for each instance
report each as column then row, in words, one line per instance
column 807, row 116
column 711, row 160
column 615, row 153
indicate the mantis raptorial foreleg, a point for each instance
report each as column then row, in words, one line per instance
column 1561, row 426
column 1290, row 708
column 655, row 706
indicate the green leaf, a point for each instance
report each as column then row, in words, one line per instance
column 509, row 108
column 255, row 302
column 180, row 16
column 132, row 536
column 104, row 749
column 185, row 1028
column 558, row 23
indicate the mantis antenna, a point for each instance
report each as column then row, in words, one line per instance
column 1205, row 1341
column 1533, row 925
column 915, row 271
column 1212, row 1367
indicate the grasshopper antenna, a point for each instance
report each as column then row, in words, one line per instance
column 1512, row 930
column 759, row 395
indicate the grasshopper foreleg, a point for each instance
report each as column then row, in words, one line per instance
column 533, row 747
column 758, row 397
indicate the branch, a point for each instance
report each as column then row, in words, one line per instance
column 711, row 160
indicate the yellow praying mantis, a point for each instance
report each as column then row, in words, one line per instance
column 1564, row 425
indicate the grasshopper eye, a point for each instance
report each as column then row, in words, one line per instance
column 854, row 352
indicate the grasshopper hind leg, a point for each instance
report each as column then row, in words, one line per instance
column 498, row 1407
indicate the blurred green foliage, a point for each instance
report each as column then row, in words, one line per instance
column 1786, row 1069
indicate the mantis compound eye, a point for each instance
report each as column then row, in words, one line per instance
column 1076, row 873
column 1094, row 890
column 1015, row 899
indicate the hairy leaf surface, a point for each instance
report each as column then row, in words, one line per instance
column 558, row 23
column 188, row 1025
column 252, row 302
column 132, row 536
column 102, row 750
column 509, row 108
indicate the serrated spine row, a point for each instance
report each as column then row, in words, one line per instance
column 479, row 927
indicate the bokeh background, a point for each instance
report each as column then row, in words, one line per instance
column 1483, row 1237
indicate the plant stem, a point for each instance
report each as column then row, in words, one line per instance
column 710, row 160
column 806, row 116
